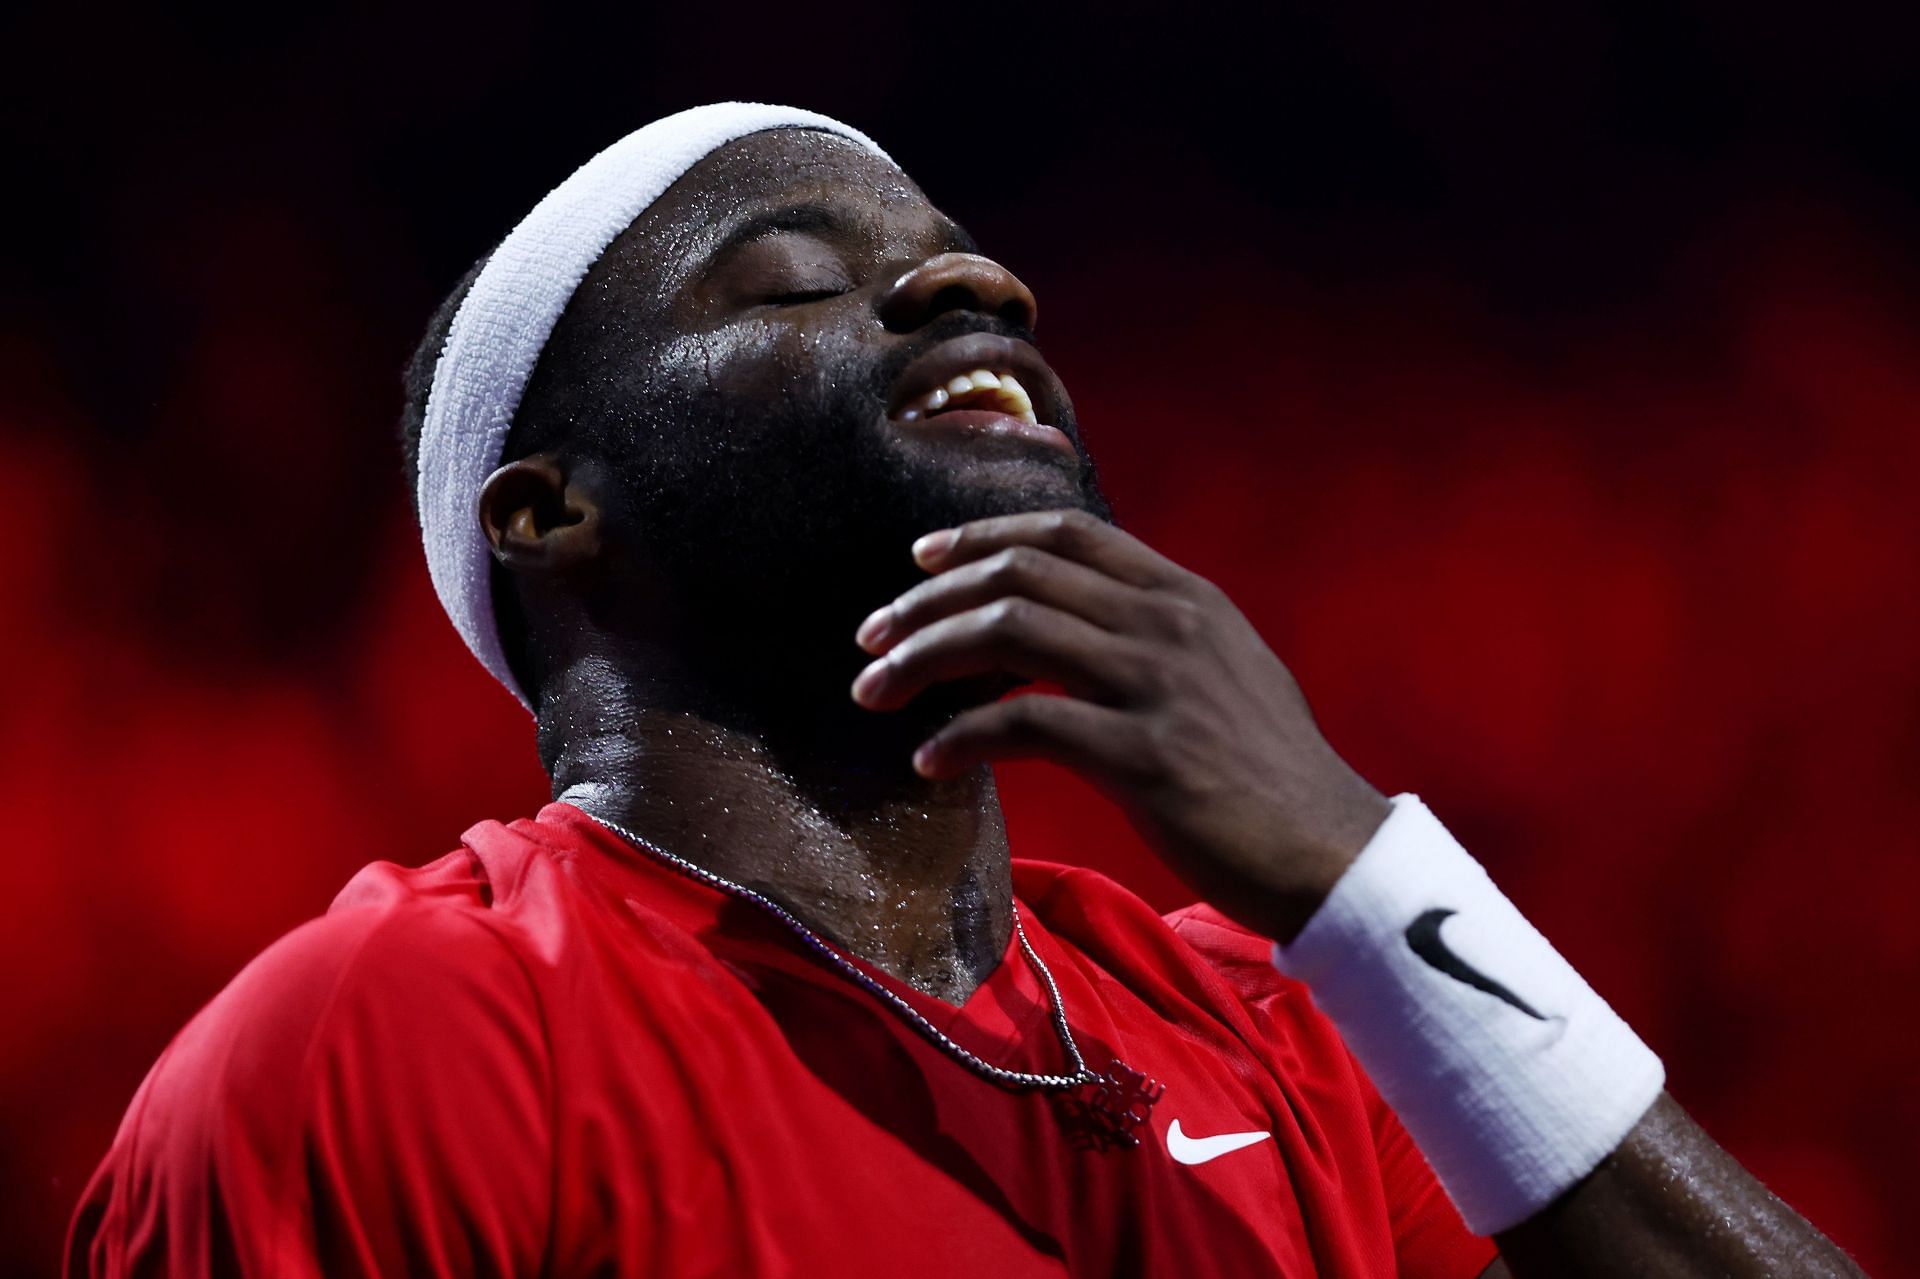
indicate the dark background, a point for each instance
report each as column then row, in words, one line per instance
column 1541, row 379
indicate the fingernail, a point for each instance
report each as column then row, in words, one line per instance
column 923, row 759
column 934, row 545
column 875, row 628
column 868, row 682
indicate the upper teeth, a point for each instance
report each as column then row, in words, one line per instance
column 1001, row 391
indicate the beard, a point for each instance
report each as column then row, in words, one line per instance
column 776, row 521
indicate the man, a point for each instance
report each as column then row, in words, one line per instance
column 736, row 464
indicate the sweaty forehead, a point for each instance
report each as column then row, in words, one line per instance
column 762, row 171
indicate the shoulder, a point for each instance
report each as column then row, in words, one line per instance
column 394, row 935
column 1079, row 896
column 1239, row 954
column 1131, row 940
column 400, row 983
column 406, row 953
column 1079, row 901
column 353, row 1009
column 1195, row 945
column 379, row 1040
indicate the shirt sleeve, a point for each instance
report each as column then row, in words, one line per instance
column 1430, row 1241
column 369, row 1097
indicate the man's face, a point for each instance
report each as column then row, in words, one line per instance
column 791, row 314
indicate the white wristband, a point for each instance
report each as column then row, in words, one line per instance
column 1511, row 1075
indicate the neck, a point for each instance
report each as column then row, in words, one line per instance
column 816, row 807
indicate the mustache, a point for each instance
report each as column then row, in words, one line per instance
column 942, row 328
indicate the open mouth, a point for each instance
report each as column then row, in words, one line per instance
column 996, row 391
column 982, row 385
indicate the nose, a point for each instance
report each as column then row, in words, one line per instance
column 957, row 282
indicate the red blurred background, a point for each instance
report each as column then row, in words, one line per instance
column 1542, row 383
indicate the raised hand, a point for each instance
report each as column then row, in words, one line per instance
column 1173, row 704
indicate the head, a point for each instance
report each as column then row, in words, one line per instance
column 735, row 431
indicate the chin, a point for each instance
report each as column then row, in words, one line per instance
column 1014, row 495
column 988, row 483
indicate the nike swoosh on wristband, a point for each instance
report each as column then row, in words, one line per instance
column 1197, row 1150
column 1423, row 938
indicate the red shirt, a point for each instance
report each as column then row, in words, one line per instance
column 549, row 1054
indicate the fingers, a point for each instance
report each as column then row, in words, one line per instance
column 1071, row 535
column 1047, row 595
column 1016, row 571
column 1097, row 741
column 1012, row 636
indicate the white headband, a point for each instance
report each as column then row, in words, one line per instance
column 507, row 317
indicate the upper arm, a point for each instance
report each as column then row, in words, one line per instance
column 370, row 1096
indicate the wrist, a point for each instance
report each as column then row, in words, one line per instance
column 1346, row 821
column 1512, row 1075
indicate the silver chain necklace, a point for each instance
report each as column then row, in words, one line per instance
column 1120, row 1099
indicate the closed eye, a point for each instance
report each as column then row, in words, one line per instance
column 799, row 297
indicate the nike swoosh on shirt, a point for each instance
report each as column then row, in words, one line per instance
column 1197, row 1150
column 1423, row 938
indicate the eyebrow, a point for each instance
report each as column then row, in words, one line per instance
column 819, row 218
column 793, row 217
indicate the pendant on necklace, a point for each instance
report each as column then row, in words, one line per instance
column 1104, row 1113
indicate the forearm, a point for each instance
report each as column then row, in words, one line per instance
column 1669, row 1201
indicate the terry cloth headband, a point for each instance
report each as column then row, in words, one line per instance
column 507, row 317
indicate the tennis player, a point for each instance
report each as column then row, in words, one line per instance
column 735, row 462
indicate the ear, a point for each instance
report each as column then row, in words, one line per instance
column 538, row 519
